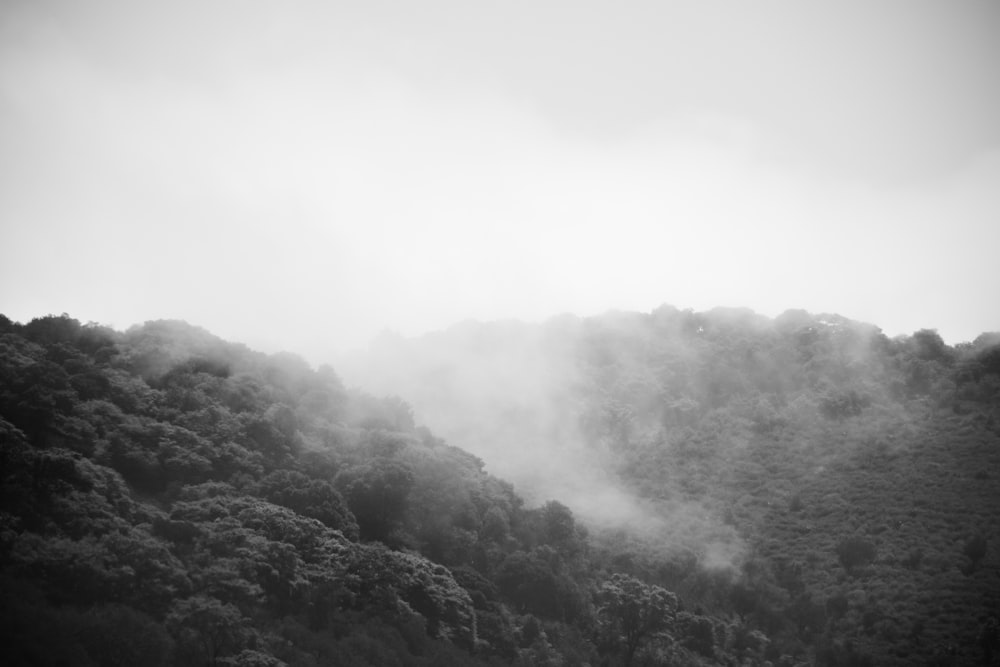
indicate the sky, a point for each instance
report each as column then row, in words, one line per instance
column 304, row 176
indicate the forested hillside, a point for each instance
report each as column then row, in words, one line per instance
column 169, row 498
column 725, row 489
column 836, row 489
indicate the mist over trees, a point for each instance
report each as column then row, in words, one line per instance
column 688, row 489
column 804, row 459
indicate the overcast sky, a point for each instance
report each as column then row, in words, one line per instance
column 305, row 175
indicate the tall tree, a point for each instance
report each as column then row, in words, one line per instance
column 630, row 612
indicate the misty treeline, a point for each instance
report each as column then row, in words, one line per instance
column 801, row 490
column 170, row 498
column 833, row 487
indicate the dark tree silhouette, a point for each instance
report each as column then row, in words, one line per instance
column 631, row 612
column 975, row 551
column 855, row 552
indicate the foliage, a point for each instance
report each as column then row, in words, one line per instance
column 631, row 613
column 855, row 552
column 805, row 490
column 749, row 449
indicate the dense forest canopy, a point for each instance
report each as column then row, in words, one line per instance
column 705, row 488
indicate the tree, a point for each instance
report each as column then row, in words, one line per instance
column 387, row 577
column 376, row 494
column 974, row 550
column 273, row 434
column 559, row 527
column 744, row 599
column 810, row 616
column 928, row 345
column 36, row 395
column 207, row 629
column 313, row 498
column 121, row 636
column 855, row 552
column 536, row 582
column 697, row 633
column 630, row 612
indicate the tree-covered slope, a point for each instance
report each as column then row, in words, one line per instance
column 168, row 498
column 835, row 488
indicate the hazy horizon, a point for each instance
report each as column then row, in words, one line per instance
column 307, row 175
